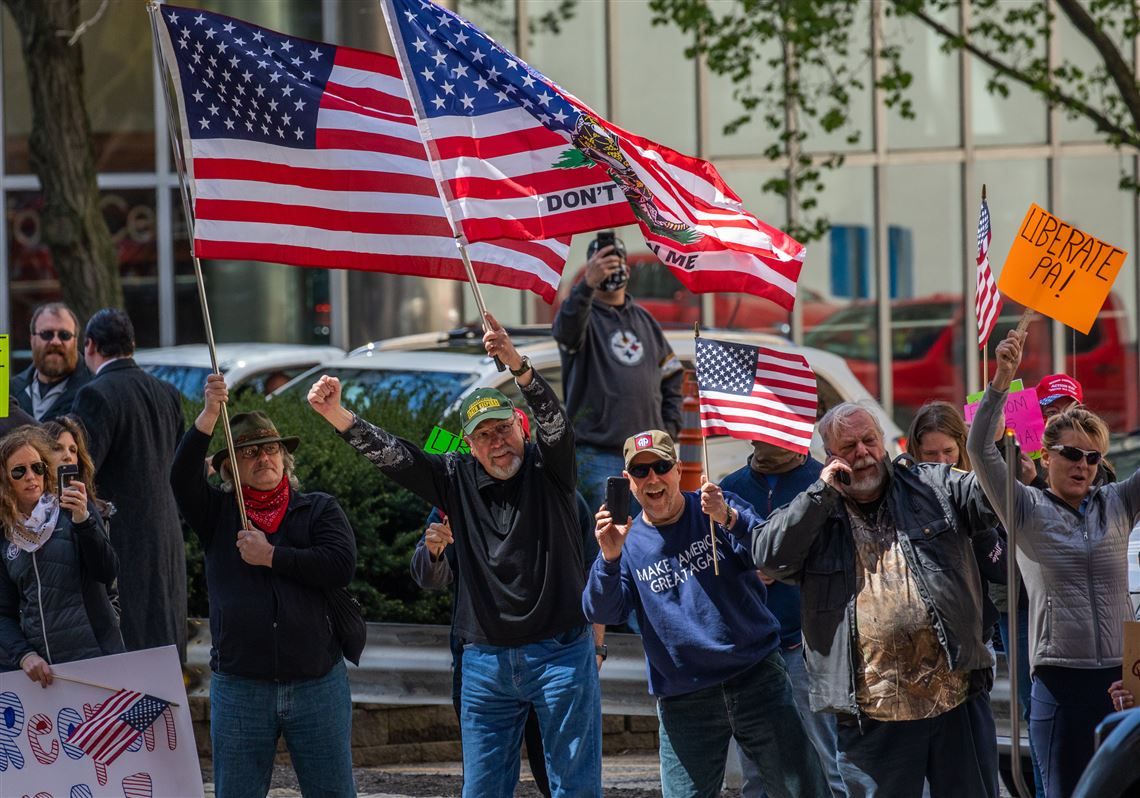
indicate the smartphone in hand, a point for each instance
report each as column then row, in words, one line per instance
column 844, row 477
column 605, row 239
column 617, row 498
column 64, row 475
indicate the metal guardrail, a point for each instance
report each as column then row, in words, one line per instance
column 411, row 664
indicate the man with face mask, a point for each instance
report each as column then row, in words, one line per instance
column 46, row 389
column 771, row 478
column 612, row 350
column 891, row 610
column 512, row 508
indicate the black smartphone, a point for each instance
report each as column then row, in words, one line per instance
column 605, row 239
column 617, row 498
column 65, row 474
column 844, row 477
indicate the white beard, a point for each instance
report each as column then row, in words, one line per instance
column 507, row 471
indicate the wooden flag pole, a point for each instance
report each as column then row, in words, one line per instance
column 76, row 680
column 705, row 461
column 168, row 77
column 474, row 286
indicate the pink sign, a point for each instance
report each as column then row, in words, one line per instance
column 1023, row 416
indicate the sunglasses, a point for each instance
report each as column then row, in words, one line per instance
column 47, row 335
column 255, row 451
column 39, row 469
column 1073, row 454
column 659, row 467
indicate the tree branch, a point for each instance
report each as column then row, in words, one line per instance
column 1052, row 93
column 1118, row 68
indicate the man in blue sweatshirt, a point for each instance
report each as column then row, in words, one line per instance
column 711, row 646
column 771, row 478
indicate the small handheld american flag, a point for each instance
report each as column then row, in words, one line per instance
column 756, row 393
column 116, row 724
column 987, row 300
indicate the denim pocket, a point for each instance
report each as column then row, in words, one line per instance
column 937, row 546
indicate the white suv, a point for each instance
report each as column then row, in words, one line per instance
column 454, row 364
column 245, row 366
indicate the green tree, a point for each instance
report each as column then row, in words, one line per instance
column 796, row 65
column 62, row 156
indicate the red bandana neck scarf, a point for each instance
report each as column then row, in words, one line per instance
column 266, row 508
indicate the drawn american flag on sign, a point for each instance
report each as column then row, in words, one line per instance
column 308, row 154
column 756, row 393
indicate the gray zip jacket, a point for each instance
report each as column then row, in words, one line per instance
column 1075, row 565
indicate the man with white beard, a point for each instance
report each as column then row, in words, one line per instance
column 891, row 609
column 512, row 507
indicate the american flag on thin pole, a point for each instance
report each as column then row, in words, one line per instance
column 303, row 153
column 756, row 393
column 520, row 157
column 987, row 300
column 116, row 724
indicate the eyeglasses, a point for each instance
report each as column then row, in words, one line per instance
column 1073, row 454
column 659, row 467
column 500, row 430
column 47, row 335
column 39, row 469
column 255, row 451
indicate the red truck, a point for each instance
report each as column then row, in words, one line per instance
column 928, row 350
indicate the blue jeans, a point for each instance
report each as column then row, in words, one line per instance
column 820, row 728
column 893, row 759
column 559, row 677
column 1067, row 704
column 315, row 716
column 1024, row 681
column 755, row 707
column 594, row 467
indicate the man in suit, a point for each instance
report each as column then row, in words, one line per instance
column 47, row 388
column 134, row 422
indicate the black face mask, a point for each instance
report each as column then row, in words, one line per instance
column 616, row 280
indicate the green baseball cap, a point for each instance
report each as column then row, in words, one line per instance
column 483, row 404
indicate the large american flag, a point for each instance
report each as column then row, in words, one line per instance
column 756, row 393
column 520, row 157
column 987, row 300
column 116, row 724
column 303, row 153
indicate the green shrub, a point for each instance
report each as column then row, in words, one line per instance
column 386, row 518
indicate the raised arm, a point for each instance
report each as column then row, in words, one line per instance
column 197, row 501
column 570, row 324
column 610, row 595
column 989, row 467
column 781, row 544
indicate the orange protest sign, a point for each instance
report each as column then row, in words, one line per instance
column 1059, row 270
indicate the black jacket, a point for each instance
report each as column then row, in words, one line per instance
column 266, row 623
column 808, row 542
column 134, row 422
column 61, row 406
column 518, row 544
column 59, row 593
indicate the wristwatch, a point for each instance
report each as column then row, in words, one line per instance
column 601, row 651
column 523, row 368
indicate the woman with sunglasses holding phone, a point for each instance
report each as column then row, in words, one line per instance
column 55, row 568
column 1072, row 544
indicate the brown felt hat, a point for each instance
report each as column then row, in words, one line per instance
column 252, row 429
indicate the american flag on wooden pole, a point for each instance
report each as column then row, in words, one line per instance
column 116, row 724
column 987, row 300
column 308, row 154
column 756, row 393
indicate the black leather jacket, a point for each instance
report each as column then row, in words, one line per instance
column 935, row 509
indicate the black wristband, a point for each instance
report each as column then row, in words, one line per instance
column 601, row 651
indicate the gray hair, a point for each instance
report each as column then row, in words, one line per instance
column 287, row 458
column 839, row 418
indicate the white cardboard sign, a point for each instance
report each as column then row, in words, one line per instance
column 37, row 761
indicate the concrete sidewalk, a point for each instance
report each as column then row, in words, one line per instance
column 628, row 775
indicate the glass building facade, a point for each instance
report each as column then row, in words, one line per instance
column 890, row 288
